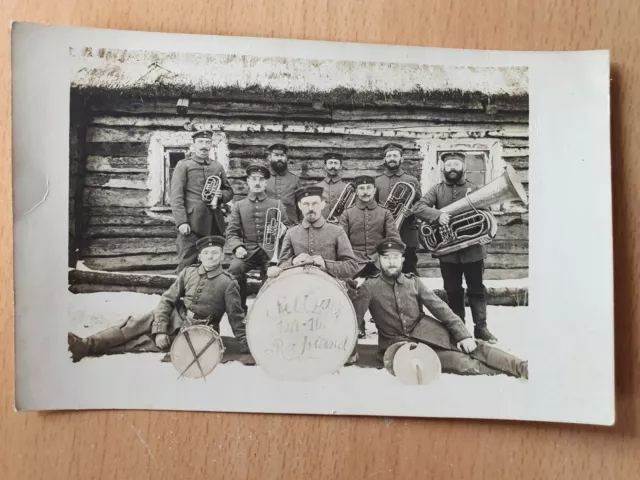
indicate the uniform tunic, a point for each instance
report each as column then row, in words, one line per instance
column 366, row 225
column 333, row 187
column 324, row 239
column 439, row 196
column 208, row 295
column 187, row 205
column 247, row 222
column 396, row 308
column 384, row 184
column 282, row 187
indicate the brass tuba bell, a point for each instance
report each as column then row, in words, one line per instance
column 471, row 223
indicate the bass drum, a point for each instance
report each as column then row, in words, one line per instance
column 302, row 325
column 196, row 351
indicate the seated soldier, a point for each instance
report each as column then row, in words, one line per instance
column 201, row 294
column 246, row 228
column 395, row 300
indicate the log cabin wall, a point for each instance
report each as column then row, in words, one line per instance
column 126, row 226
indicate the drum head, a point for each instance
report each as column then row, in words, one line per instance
column 416, row 364
column 207, row 346
column 302, row 325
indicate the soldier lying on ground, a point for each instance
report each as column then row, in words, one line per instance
column 201, row 294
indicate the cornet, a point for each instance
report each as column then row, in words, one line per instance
column 211, row 188
column 272, row 233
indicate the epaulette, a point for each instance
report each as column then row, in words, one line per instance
column 224, row 272
column 410, row 275
column 369, row 277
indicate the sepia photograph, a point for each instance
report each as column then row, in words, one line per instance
column 304, row 216
column 306, row 227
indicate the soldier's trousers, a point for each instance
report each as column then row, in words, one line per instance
column 258, row 260
column 131, row 336
column 452, row 274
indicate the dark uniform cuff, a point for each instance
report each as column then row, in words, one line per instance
column 160, row 328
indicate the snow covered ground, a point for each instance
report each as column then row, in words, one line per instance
column 90, row 313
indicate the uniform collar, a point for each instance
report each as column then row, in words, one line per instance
column 318, row 224
column 199, row 160
column 257, row 196
column 283, row 174
column 397, row 173
column 336, row 179
column 361, row 205
column 211, row 273
column 401, row 279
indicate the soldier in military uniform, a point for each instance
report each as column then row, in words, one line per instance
column 315, row 240
column 332, row 184
column 193, row 218
column 393, row 158
column 202, row 294
column 468, row 262
column 395, row 300
column 282, row 184
column 246, row 226
column 366, row 224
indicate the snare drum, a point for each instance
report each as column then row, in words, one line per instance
column 302, row 325
column 196, row 351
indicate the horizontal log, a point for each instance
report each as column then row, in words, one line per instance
column 518, row 163
column 136, row 181
column 507, row 219
column 258, row 153
column 123, row 211
column 120, row 197
column 119, row 220
column 493, row 260
column 97, row 288
column 489, row 273
column 108, row 278
column 131, row 262
column 518, row 247
column 442, row 116
column 172, row 121
column 317, row 140
column 118, row 149
column 515, row 152
column 503, row 296
column 111, row 247
column 114, row 134
column 131, row 231
column 515, row 142
column 96, row 163
column 513, row 232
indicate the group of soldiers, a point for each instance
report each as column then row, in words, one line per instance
column 364, row 244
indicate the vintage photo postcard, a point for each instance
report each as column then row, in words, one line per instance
column 264, row 225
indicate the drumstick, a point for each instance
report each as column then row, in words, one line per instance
column 193, row 352
column 204, row 349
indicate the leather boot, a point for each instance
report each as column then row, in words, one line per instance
column 501, row 360
column 455, row 299
column 96, row 344
column 478, row 305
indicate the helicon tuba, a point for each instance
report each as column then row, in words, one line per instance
column 346, row 199
column 399, row 201
column 211, row 187
column 272, row 232
column 471, row 224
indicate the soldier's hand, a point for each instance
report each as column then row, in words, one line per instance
column 467, row 345
column 241, row 252
column 184, row 229
column 162, row 341
column 444, row 219
column 218, row 193
column 302, row 258
column 273, row 272
column 319, row 261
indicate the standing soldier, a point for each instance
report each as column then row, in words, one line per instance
column 283, row 183
column 201, row 293
column 332, row 184
column 468, row 262
column 393, row 158
column 245, row 231
column 193, row 218
column 366, row 224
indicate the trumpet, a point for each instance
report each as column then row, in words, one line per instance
column 345, row 200
column 272, row 233
column 399, row 201
column 211, row 188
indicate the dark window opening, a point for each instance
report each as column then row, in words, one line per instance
column 171, row 158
